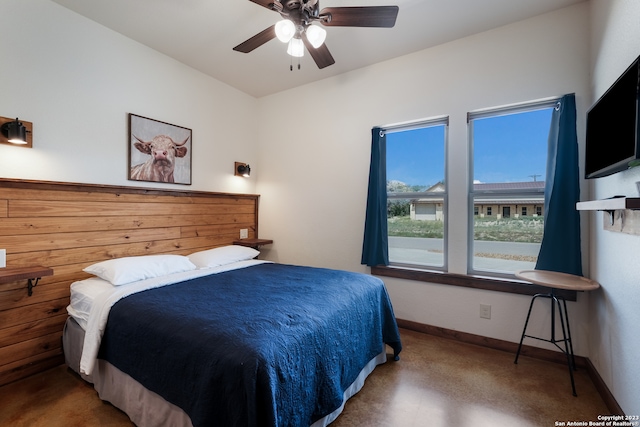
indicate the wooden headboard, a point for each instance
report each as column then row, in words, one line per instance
column 69, row 226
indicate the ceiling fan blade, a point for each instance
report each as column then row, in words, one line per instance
column 320, row 55
column 257, row 40
column 267, row 3
column 365, row 16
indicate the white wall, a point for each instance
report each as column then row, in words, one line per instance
column 315, row 155
column 615, row 308
column 77, row 81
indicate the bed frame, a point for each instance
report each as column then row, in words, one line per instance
column 68, row 226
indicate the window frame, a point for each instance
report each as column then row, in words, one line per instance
column 472, row 194
column 420, row 124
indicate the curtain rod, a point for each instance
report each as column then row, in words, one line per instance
column 415, row 124
column 514, row 108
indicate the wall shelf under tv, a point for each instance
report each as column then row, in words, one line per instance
column 616, row 204
column 611, row 204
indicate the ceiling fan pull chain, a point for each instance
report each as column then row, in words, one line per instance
column 291, row 64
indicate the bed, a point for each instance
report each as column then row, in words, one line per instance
column 227, row 340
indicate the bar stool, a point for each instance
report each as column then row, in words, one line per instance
column 555, row 280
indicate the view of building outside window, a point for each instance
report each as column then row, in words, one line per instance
column 509, row 158
column 416, row 195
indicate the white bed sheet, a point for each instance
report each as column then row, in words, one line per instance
column 83, row 293
column 96, row 299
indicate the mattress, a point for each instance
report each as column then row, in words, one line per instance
column 135, row 345
column 146, row 408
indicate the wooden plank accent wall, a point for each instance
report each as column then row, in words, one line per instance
column 70, row 226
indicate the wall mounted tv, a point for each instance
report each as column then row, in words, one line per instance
column 613, row 127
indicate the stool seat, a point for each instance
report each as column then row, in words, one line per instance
column 556, row 280
column 553, row 279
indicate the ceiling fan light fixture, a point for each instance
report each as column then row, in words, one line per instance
column 316, row 35
column 285, row 30
column 297, row 29
column 296, row 48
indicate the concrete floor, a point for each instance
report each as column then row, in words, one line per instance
column 437, row 382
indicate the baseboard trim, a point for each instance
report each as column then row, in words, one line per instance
column 510, row 347
column 603, row 390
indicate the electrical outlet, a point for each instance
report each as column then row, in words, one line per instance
column 3, row 258
column 485, row 311
column 244, row 233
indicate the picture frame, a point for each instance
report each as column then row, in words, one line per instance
column 158, row 151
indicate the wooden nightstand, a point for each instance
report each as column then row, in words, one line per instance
column 253, row 243
column 13, row 274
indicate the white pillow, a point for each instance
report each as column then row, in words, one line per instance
column 221, row 256
column 121, row 271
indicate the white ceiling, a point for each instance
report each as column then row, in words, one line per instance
column 202, row 33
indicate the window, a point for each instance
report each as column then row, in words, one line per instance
column 508, row 158
column 417, row 194
column 506, row 170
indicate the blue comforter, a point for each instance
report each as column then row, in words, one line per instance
column 267, row 345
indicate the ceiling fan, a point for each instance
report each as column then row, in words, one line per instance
column 298, row 30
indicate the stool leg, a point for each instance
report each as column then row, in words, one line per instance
column 524, row 331
column 566, row 316
column 567, row 342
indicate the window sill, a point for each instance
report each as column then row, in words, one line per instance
column 478, row 282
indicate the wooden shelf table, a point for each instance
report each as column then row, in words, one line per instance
column 13, row 274
column 253, row 243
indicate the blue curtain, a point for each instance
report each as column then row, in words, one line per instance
column 375, row 247
column 560, row 248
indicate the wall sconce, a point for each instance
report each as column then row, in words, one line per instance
column 242, row 169
column 15, row 132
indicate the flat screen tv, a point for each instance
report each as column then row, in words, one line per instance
column 613, row 130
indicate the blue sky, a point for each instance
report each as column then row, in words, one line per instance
column 507, row 148
column 416, row 157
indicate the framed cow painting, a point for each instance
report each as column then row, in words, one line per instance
column 159, row 151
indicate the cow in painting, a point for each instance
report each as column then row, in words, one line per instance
column 159, row 167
